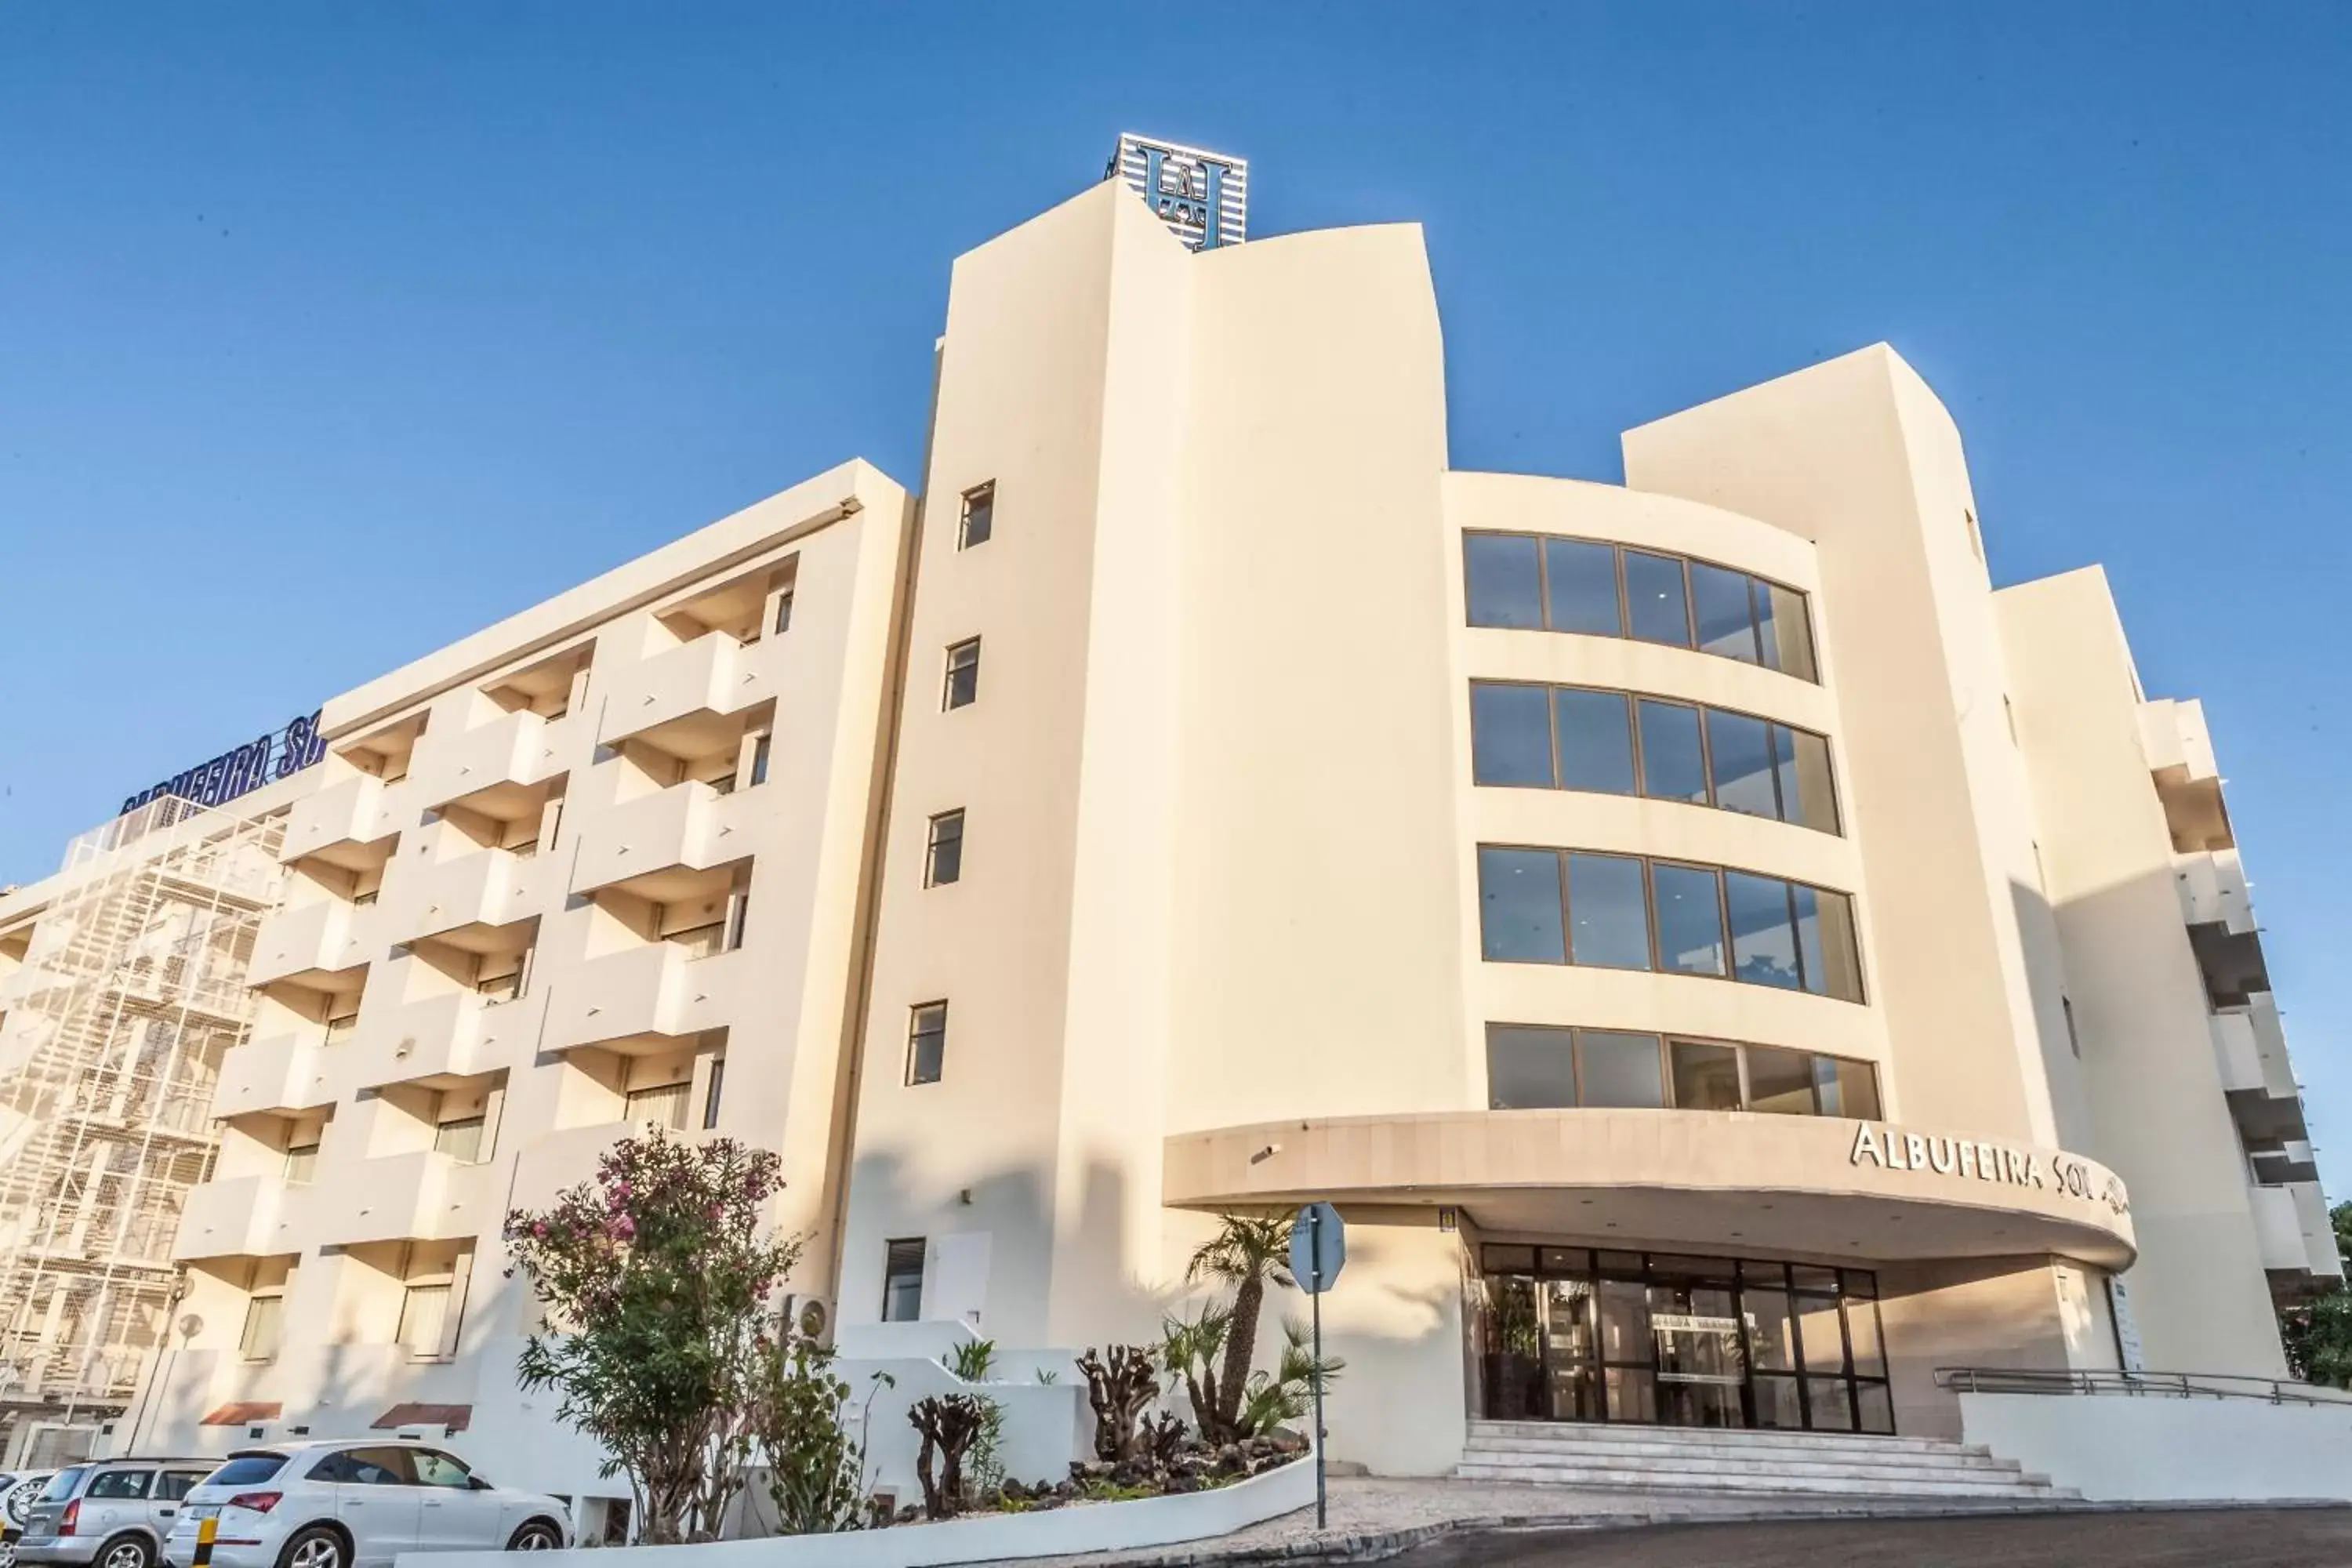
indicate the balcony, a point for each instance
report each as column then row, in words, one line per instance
column 2250, row 1047
column 281, row 1072
column 475, row 892
column 644, row 999
column 2213, row 891
column 2180, row 758
column 418, row 1197
column 244, row 1216
column 453, row 1035
column 494, row 769
column 346, row 824
column 2298, row 1241
column 679, row 701
column 310, row 941
column 651, row 844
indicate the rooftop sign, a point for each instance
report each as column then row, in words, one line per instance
column 1203, row 197
column 262, row 760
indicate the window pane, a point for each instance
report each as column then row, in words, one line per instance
column 1825, row 936
column 1510, row 734
column 1832, row 1401
column 301, row 1163
column 1499, row 570
column 422, row 1309
column 926, row 1042
column 1609, row 915
column 1779, row 1081
column 1596, row 741
column 1615, row 1070
column 460, row 1140
column 963, row 675
column 1518, row 906
column 1581, row 581
column 1740, row 750
column 262, row 1316
column 1771, row 1330
column 1706, row 1078
column 1802, row 760
column 1719, row 601
column 1787, row 633
column 979, row 516
column 1528, row 1068
column 1763, row 947
column 1877, row 1409
column 902, row 1281
column 1847, row 1089
column 1672, row 767
column 1690, row 919
column 1653, row 597
column 1861, row 1334
column 1818, row 1334
column 664, row 1106
column 944, row 861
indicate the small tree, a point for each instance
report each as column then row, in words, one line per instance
column 816, row 1477
column 2317, row 1334
column 1246, row 1251
column 655, row 1274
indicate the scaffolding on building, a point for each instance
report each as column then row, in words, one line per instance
column 112, row 1028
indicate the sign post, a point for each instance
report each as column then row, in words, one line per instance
column 1318, row 1249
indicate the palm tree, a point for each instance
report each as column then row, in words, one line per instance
column 1246, row 1251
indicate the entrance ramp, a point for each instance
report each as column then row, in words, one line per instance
column 1688, row 1460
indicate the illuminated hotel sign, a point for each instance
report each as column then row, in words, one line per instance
column 262, row 760
column 1983, row 1161
column 1203, row 197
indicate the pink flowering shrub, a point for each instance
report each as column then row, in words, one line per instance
column 657, row 1275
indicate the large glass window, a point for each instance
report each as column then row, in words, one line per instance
column 1518, row 905
column 1510, row 734
column 1781, row 1081
column 1763, row 938
column 1544, row 583
column 1617, row 1069
column 1529, row 1069
column 902, row 1280
column 1706, row 1076
column 1609, row 916
column 1673, row 765
column 1690, row 918
column 1596, row 742
column 1801, row 760
column 1739, row 751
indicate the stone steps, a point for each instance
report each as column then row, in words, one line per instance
column 1803, row 1464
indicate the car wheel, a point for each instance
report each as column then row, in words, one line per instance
column 315, row 1546
column 537, row 1536
column 126, row 1552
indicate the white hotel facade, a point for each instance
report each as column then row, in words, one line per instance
column 1726, row 959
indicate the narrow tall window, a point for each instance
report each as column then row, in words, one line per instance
column 263, row 1315
column 963, row 674
column 943, row 856
column 761, row 747
column 926, row 1042
column 902, row 1281
column 784, row 609
column 710, row 1095
column 738, row 916
column 979, row 516
column 301, row 1163
column 424, row 1309
column 2074, row 1040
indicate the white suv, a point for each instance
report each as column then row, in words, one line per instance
column 355, row 1504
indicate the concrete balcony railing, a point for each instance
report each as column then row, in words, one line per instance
column 278, row 1072
column 642, row 998
column 515, row 752
column 325, row 936
column 243, row 1217
column 713, row 675
column 687, row 827
column 360, row 811
column 455, row 1035
column 488, row 887
column 2291, row 1221
column 422, row 1195
column 2213, row 891
column 2174, row 736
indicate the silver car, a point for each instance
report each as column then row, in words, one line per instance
column 113, row 1513
column 355, row 1504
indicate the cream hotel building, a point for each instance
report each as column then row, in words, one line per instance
column 1730, row 964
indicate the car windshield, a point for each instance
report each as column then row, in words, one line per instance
column 62, row 1484
column 247, row 1469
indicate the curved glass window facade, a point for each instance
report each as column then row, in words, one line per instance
column 1621, row 742
column 1629, row 911
column 1542, row 582
column 1538, row 1067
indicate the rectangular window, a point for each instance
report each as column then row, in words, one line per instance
column 301, row 1163
column 739, row 917
column 1739, row 754
column 1580, row 588
column 1690, row 919
column 1609, row 914
column 460, row 1140
column 926, row 1042
column 1825, row 943
column 1654, row 600
column 963, row 675
column 979, row 516
column 1779, row 1082
column 784, row 609
column 1529, row 1069
column 710, row 1094
column 1518, row 903
column 1847, row 1089
column 760, row 750
column 1727, row 623
column 264, row 1318
column 1619, row 1070
column 662, row 1105
column 424, row 1309
column 1706, row 1076
column 1763, row 937
column 902, row 1281
column 1784, row 632
column 1596, row 741
column 943, row 855
column 1807, row 798
column 1504, row 584
column 1510, row 734
column 1674, row 767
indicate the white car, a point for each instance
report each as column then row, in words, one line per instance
column 355, row 1504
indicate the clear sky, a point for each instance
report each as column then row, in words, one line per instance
column 534, row 288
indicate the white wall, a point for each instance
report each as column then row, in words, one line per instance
column 2124, row 1448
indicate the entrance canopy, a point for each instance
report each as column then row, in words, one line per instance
column 1806, row 1186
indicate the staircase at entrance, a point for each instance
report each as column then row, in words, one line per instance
column 1691, row 1459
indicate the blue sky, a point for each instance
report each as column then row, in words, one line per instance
column 535, row 287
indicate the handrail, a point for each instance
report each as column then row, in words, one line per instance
column 2142, row 1384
